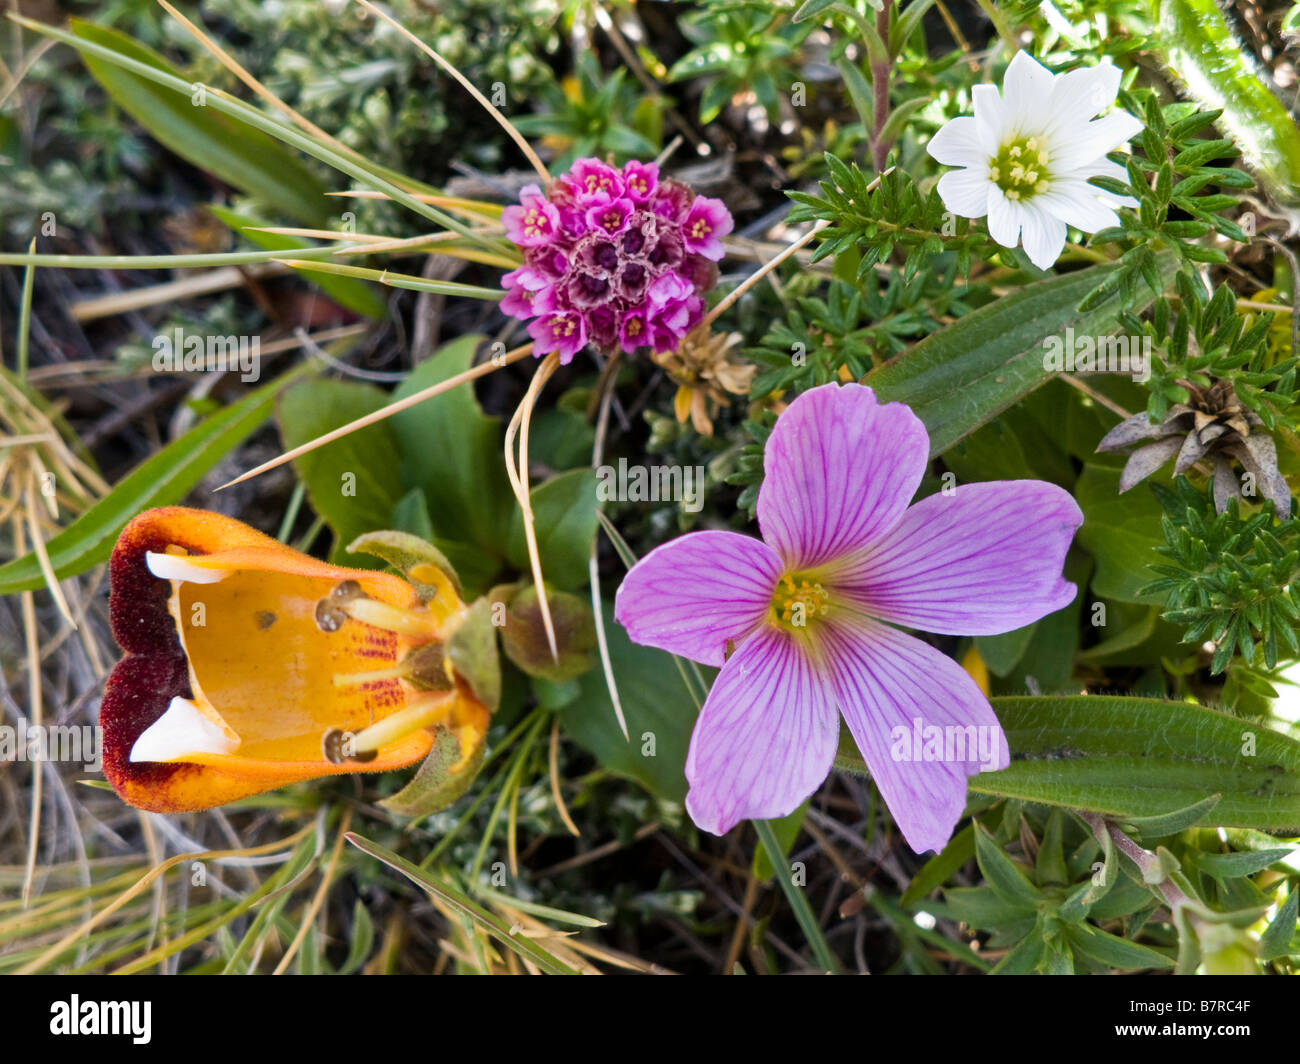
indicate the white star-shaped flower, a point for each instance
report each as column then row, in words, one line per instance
column 1027, row 153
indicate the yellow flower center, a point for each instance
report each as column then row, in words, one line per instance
column 536, row 223
column 797, row 600
column 1020, row 168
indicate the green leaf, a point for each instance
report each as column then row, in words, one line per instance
column 162, row 480
column 1112, row 951
column 1002, row 873
column 786, row 831
column 1171, row 823
column 1196, row 43
column 1049, row 657
column 352, row 482
column 564, row 512
column 941, row 867
column 1141, row 757
column 965, row 375
column 1276, row 940
column 225, row 147
column 1002, row 652
column 1025, row 958
column 1121, row 532
column 453, row 451
column 1236, row 865
column 812, row 8
column 346, row 291
column 660, row 712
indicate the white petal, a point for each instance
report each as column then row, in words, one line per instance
column 1004, row 218
column 1078, row 204
column 1027, row 90
column 1102, row 168
column 1083, row 92
column 958, row 144
column 181, row 732
column 965, row 192
column 992, row 121
column 1094, row 140
column 178, row 567
column 1044, row 235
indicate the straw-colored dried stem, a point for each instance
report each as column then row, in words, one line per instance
column 473, row 373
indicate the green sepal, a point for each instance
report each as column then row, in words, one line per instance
column 406, row 553
column 472, row 651
column 435, row 786
column 523, row 637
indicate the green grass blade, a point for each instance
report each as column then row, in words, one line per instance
column 465, row 906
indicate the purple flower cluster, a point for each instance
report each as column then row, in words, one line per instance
column 617, row 258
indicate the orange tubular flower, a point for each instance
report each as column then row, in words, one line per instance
column 250, row 665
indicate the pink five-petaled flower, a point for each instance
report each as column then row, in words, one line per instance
column 801, row 621
column 534, row 222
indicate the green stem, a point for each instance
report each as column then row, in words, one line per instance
column 802, row 911
column 158, row 262
column 25, row 317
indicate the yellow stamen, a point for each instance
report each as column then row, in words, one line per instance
column 799, row 599
column 417, row 624
column 357, row 679
column 424, row 711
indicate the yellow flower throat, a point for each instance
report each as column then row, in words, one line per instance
column 798, row 599
column 1020, row 168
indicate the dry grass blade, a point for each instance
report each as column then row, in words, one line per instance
column 553, row 760
column 518, row 476
column 28, row 600
column 38, row 545
column 473, row 373
column 593, row 563
column 144, row 881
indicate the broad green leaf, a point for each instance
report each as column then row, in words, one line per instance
column 965, row 375
column 1048, row 660
column 453, row 451
column 564, row 512
column 1121, row 533
column 1196, row 43
column 346, row 291
column 659, row 709
column 353, row 482
column 162, row 480
column 239, row 155
column 1142, row 757
column 1002, row 652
